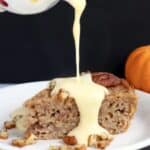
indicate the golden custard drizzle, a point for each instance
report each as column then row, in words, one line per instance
column 88, row 96
column 79, row 7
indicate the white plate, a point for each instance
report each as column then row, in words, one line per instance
column 138, row 135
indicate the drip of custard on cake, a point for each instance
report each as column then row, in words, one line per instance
column 88, row 96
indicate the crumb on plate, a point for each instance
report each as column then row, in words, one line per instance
column 3, row 134
column 30, row 139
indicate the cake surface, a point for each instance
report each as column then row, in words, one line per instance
column 53, row 117
column 119, row 106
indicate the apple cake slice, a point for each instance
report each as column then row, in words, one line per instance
column 54, row 116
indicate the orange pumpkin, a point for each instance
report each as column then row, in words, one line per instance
column 137, row 69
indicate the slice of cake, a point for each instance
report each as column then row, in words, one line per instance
column 53, row 115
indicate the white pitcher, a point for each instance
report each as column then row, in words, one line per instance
column 26, row 7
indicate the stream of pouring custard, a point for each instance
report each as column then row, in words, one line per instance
column 88, row 95
column 79, row 7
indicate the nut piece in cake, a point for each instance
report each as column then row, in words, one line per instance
column 9, row 125
column 70, row 140
column 99, row 141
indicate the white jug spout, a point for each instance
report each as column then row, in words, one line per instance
column 27, row 7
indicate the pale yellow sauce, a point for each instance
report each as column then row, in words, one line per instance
column 79, row 7
column 88, row 96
